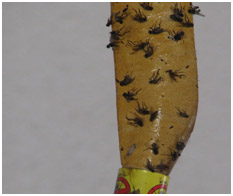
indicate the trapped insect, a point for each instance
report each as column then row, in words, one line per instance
column 194, row 10
column 178, row 13
column 139, row 16
column 117, row 34
column 131, row 149
column 125, row 9
column 138, row 45
column 178, row 10
column 153, row 115
column 156, row 29
column 174, row 154
column 142, row 109
column 120, row 17
column 109, row 22
column 116, row 37
column 136, row 121
column 180, row 145
column 155, row 78
column 113, row 44
column 176, row 18
column 175, row 74
column 149, row 50
column 175, row 36
column 130, row 95
column 154, row 147
column 186, row 22
column 161, row 167
column 146, row 6
column 145, row 46
column 127, row 80
column 149, row 166
column 182, row 113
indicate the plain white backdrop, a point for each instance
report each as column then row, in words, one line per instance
column 59, row 105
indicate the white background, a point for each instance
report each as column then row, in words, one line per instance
column 59, row 105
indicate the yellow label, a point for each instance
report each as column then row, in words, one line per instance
column 139, row 181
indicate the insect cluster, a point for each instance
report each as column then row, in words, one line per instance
column 180, row 16
column 146, row 46
column 138, row 15
column 142, row 110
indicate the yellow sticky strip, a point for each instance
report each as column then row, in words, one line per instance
column 140, row 181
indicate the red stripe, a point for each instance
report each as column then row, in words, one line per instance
column 127, row 186
column 155, row 188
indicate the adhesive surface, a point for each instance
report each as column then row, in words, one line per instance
column 156, row 82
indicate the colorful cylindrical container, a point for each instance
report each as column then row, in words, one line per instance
column 139, row 181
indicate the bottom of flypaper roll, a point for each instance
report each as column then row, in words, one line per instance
column 139, row 181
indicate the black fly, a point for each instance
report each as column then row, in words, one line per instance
column 174, row 154
column 146, row 6
column 142, row 110
column 187, row 22
column 113, row 44
column 175, row 74
column 178, row 13
column 129, row 96
column 139, row 16
column 175, row 36
column 176, row 18
column 125, row 9
column 154, row 79
column 180, row 145
column 156, row 29
column 140, row 45
column 149, row 166
column 161, row 167
column 153, row 115
column 195, row 10
column 149, row 50
column 137, row 46
column 109, row 21
column 120, row 17
column 158, row 168
column 127, row 80
column 117, row 35
column 154, row 147
column 136, row 121
column 182, row 113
